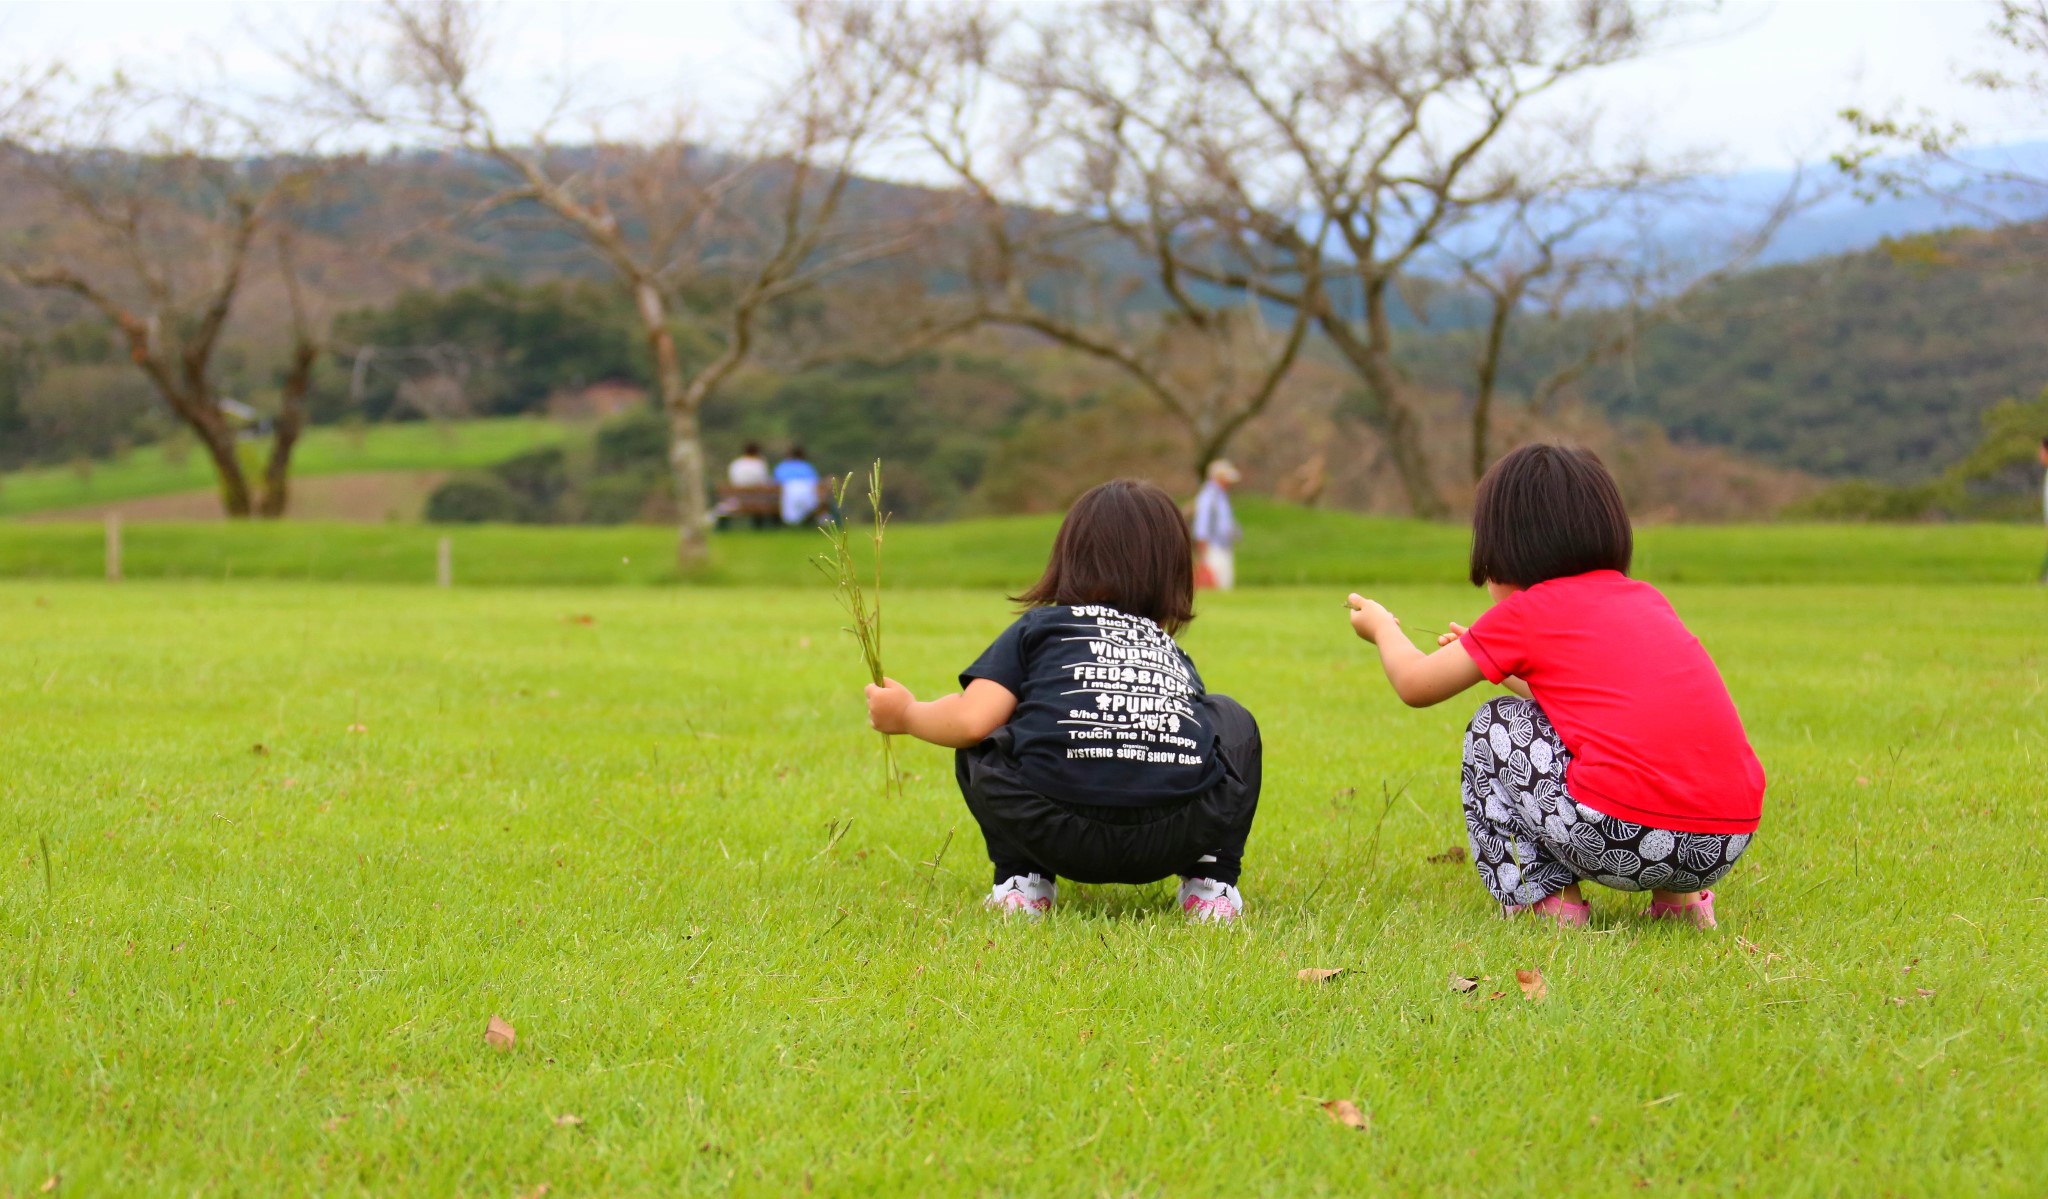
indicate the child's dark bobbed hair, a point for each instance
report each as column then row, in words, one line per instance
column 1124, row 546
column 1548, row 512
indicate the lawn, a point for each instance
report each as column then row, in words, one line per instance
column 276, row 852
column 1284, row 545
column 326, row 450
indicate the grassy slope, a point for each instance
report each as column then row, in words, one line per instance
column 250, row 968
column 1284, row 545
column 324, row 451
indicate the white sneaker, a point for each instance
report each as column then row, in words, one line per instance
column 1206, row 899
column 1026, row 894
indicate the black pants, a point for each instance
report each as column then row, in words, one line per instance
column 1029, row 833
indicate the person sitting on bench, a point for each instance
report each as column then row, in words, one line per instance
column 799, row 481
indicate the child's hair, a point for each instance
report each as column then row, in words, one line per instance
column 1125, row 546
column 1547, row 512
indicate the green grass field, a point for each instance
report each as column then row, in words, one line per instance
column 231, row 969
column 1285, row 545
column 326, row 450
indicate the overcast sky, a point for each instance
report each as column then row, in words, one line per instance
column 1762, row 88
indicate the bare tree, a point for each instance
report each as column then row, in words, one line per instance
column 1078, row 269
column 741, row 228
column 2020, row 27
column 1315, row 156
column 160, row 240
column 1600, row 293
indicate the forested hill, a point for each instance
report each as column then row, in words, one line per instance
column 1877, row 364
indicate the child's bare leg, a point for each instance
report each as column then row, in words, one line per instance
column 1572, row 894
column 1677, row 899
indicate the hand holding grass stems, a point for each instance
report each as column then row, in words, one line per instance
column 862, row 607
column 1443, row 638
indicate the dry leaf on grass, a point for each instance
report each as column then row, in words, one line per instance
column 1345, row 1112
column 499, row 1034
column 1463, row 985
column 1532, row 984
column 583, row 618
column 537, row 1192
column 567, row 1120
column 334, row 1122
column 1317, row 975
column 359, row 728
column 1451, row 856
column 51, row 1183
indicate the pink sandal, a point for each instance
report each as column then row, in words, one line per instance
column 1700, row 911
column 1554, row 908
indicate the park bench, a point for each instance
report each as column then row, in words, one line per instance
column 762, row 506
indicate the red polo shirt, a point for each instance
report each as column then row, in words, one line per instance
column 1653, row 734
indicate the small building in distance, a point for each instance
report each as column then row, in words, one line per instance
column 598, row 401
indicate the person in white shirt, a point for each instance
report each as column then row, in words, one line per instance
column 750, row 469
column 1215, row 530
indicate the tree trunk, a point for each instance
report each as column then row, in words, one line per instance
column 1391, row 417
column 1487, row 377
column 685, row 438
column 291, row 420
column 219, row 441
column 1403, row 435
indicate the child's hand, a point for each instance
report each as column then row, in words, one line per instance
column 1369, row 620
column 1457, row 631
column 889, row 706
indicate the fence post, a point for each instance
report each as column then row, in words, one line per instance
column 113, row 547
column 444, row 563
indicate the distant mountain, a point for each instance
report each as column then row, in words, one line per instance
column 1878, row 363
column 1844, row 221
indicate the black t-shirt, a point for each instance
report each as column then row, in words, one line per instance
column 1107, row 708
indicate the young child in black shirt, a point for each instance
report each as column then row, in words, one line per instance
column 1087, row 745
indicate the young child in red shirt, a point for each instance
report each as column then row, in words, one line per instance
column 1620, row 758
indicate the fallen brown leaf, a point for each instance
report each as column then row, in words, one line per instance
column 1861, row 781
column 334, row 1122
column 583, row 618
column 1318, row 975
column 1532, row 984
column 1899, row 1000
column 566, row 1120
column 1462, row 985
column 499, row 1034
column 1454, row 854
column 51, row 1183
column 1345, row 1112
column 1924, row 992
column 536, row 1193
column 359, row 728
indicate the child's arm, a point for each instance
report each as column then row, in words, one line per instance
column 957, row 721
column 1511, row 682
column 1419, row 679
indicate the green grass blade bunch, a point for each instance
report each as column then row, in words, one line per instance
column 863, row 606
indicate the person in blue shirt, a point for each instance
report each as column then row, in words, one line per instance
column 799, row 482
column 1215, row 531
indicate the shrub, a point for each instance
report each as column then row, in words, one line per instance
column 633, row 440
column 620, row 497
column 539, row 479
column 472, row 499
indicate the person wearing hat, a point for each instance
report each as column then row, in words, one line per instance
column 1215, row 529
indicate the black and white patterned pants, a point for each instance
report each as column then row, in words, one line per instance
column 1531, row 839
